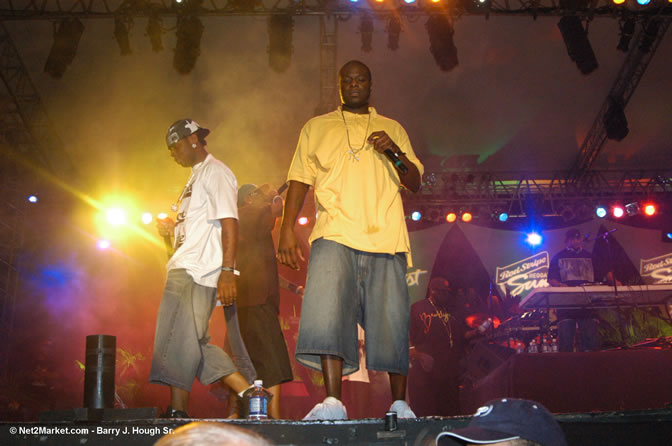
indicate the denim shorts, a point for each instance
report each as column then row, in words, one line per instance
column 346, row 286
column 182, row 350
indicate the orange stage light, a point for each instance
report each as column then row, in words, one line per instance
column 451, row 217
column 466, row 217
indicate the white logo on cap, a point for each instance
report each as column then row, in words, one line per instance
column 484, row 411
column 192, row 125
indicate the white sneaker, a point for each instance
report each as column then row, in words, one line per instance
column 402, row 409
column 329, row 409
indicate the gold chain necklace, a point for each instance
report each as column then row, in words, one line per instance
column 448, row 328
column 353, row 152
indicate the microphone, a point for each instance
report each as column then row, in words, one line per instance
column 605, row 234
column 398, row 163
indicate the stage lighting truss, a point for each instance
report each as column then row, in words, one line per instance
column 31, row 9
column 520, row 196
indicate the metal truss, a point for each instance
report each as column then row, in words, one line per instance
column 328, row 50
column 54, row 9
column 12, row 225
column 623, row 88
column 544, row 194
column 24, row 124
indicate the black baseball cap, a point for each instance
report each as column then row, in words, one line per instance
column 183, row 128
column 507, row 419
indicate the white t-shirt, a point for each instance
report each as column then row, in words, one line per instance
column 211, row 194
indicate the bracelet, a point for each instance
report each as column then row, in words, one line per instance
column 231, row 270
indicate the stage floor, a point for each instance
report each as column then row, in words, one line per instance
column 653, row 427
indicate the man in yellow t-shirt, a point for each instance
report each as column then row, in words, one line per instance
column 357, row 161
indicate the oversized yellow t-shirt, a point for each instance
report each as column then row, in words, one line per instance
column 356, row 191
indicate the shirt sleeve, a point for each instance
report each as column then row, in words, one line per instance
column 404, row 144
column 222, row 193
column 302, row 168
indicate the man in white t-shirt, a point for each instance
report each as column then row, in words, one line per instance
column 201, row 271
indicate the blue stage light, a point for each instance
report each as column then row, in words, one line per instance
column 643, row 2
column 32, row 199
column 503, row 217
column 534, row 239
column 416, row 215
column 601, row 211
column 668, row 235
column 408, row 2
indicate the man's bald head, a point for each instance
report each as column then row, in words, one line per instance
column 354, row 63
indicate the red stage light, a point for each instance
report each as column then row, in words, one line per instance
column 617, row 211
column 650, row 209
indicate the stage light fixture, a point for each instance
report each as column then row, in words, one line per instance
column 643, row 2
column 409, row 2
column 615, row 122
column 122, row 25
column 441, row 44
column 650, row 34
column 67, row 34
column 393, row 31
column 632, row 209
column 534, row 239
column 366, row 32
column 280, row 33
column 103, row 244
column 575, row 37
column 601, row 211
column 154, row 31
column 617, row 211
column 503, row 217
column 466, row 216
column 303, row 221
column 627, row 31
column 416, row 215
column 146, row 217
column 188, row 43
column 33, row 199
column 162, row 216
column 618, row 2
column 650, row 209
column 667, row 236
column 451, row 217
column 116, row 216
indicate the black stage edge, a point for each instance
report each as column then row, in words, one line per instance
column 632, row 428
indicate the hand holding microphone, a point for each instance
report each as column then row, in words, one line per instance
column 383, row 144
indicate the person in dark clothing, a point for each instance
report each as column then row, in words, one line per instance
column 258, row 289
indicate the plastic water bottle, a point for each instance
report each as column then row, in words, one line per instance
column 258, row 401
